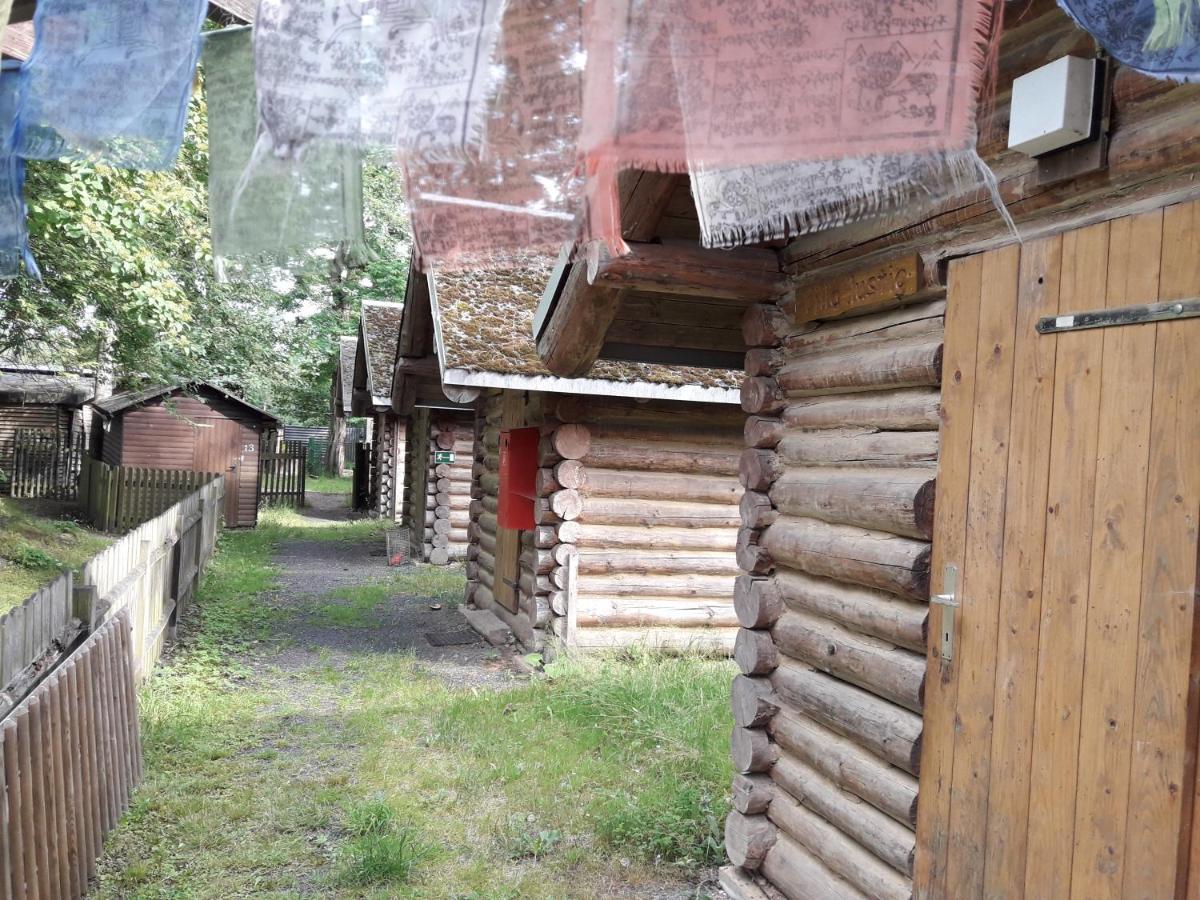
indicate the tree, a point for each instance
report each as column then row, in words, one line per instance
column 129, row 283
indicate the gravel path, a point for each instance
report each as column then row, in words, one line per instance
column 312, row 570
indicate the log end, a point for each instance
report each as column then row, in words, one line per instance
column 758, row 602
column 761, row 395
column 747, row 839
column 752, row 794
column 758, row 469
column 752, row 557
column 754, row 651
column 753, row 701
column 763, row 432
column 752, row 750
column 572, row 441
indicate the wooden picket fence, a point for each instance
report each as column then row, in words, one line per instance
column 152, row 571
column 116, row 498
column 34, row 634
column 46, row 464
column 70, row 751
column 70, row 756
column 282, row 469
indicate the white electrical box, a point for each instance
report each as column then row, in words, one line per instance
column 1052, row 106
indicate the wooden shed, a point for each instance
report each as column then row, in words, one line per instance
column 628, row 478
column 371, row 396
column 41, row 398
column 196, row 427
column 1031, row 732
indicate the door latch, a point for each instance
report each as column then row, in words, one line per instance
column 948, row 601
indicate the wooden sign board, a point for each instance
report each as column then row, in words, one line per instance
column 443, row 456
column 868, row 290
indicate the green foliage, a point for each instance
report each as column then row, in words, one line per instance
column 35, row 548
column 129, row 283
column 380, row 849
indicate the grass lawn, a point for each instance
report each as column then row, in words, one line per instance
column 34, row 548
column 328, row 484
column 376, row 778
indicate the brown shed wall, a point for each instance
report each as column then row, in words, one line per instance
column 181, row 431
column 16, row 417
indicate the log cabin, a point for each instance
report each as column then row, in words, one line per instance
column 601, row 511
column 370, row 397
column 994, row 694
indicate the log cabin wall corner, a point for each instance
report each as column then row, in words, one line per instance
column 437, row 465
column 635, row 523
column 1053, row 754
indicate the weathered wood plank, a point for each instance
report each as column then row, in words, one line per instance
column 1163, row 734
column 1118, row 525
column 950, row 528
column 981, row 565
column 1065, row 583
column 1021, row 583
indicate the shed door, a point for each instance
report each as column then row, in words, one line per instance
column 230, row 448
column 1059, row 741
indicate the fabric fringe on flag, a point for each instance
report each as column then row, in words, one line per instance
column 1160, row 38
column 521, row 191
column 680, row 86
column 264, row 209
column 5, row 15
column 110, row 80
column 398, row 74
column 751, row 204
column 14, row 231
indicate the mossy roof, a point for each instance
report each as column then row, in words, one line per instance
column 486, row 318
column 380, row 329
column 348, row 347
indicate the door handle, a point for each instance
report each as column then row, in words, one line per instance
column 948, row 601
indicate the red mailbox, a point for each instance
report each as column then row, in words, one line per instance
column 518, row 477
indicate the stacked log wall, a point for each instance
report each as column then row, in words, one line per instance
column 839, row 471
column 498, row 411
column 643, row 497
column 447, row 487
column 416, row 478
column 390, row 459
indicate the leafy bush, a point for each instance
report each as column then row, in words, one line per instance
column 33, row 558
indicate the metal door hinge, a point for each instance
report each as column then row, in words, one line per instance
column 948, row 601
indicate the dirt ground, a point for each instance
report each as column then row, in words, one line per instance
column 311, row 570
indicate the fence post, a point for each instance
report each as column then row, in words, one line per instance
column 83, row 604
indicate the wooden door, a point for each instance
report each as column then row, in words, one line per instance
column 508, row 540
column 1059, row 740
column 231, row 449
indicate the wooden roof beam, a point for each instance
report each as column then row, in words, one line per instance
column 574, row 333
column 684, row 269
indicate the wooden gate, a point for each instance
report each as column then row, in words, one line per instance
column 1060, row 736
column 281, row 473
column 46, row 464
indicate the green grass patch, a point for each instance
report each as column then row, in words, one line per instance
column 35, row 548
column 328, row 484
column 374, row 778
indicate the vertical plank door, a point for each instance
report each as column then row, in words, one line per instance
column 1061, row 736
column 219, row 448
